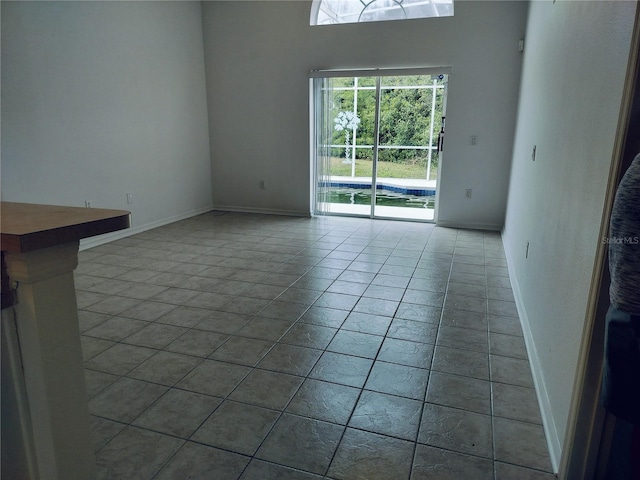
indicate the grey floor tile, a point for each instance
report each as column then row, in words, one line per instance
column 249, row 305
column 267, row 389
column 520, row 444
column 383, row 458
column 125, row 399
column 418, row 313
column 88, row 320
column 290, row 359
column 116, row 328
column 464, row 319
column 507, row 472
column 301, row 296
column 514, row 371
column 112, row 305
column 135, row 454
column 461, row 362
column 463, row 277
column 431, row 284
column 424, row 297
column 458, row 430
column 376, row 306
column 261, row 470
column 466, row 303
column 387, row 414
column 93, row 346
column 499, row 293
column 502, row 308
column 197, row 342
column 200, row 462
column 413, row 330
column 338, row 301
column 406, row 352
column 178, row 413
column 398, row 380
column 463, row 338
column 120, row 359
column 173, row 295
column 237, row 427
column 242, row 350
column 303, row 443
column 165, row 368
column 437, row 464
column 355, row 343
column 505, row 325
column 459, row 392
column 265, row 328
column 282, row 310
column 210, row 300
column 185, row 316
column 395, row 281
column 214, row 378
column 103, row 430
column 343, row 369
column 347, row 287
column 367, row 323
column 469, row 289
column 327, row 317
column 384, row 292
column 155, row 335
column 507, row 345
column 515, row 402
column 148, row 311
column 308, row 335
column 222, row 322
column 97, row 381
column 458, row 267
column 324, row 401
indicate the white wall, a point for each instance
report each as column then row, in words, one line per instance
column 258, row 55
column 572, row 81
column 104, row 98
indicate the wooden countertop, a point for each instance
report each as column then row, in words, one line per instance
column 27, row 226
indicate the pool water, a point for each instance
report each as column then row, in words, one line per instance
column 355, row 196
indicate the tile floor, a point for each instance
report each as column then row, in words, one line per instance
column 241, row 346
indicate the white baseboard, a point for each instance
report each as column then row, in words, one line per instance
column 551, row 432
column 110, row 237
column 265, row 211
column 469, row 226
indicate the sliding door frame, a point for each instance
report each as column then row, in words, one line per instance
column 315, row 125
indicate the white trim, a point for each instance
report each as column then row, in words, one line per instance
column 91, row 242
column 550, row 429
column 470, row 226
column 265, row 211
column 381, row 72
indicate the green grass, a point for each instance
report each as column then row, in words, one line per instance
column 385, row 169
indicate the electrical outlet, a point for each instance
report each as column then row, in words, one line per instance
column 474, row 140
column 129, row 198
column 87, row 203
column 467, row 193
column 262, row 187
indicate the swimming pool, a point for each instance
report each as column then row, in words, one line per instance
column 362, row 196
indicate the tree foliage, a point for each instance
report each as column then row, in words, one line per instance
column 405, row 115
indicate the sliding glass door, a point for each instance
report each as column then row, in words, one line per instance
column 376, row 144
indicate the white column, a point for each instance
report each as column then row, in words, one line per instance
column 49, row 338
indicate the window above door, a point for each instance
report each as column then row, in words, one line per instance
column 327, row 12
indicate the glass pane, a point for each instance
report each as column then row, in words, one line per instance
column 410, row 120
column 349, row 146
column 326, row 12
